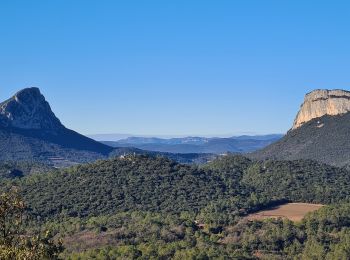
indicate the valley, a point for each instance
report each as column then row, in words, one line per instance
column 104, row 202
column 174, row 130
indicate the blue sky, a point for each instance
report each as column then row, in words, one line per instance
column 174, row 67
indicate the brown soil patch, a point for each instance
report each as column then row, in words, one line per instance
column 89, row 240
column 291, row 211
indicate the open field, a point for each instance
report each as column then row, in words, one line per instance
column 291, row 211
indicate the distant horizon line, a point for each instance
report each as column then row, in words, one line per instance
column 117, row 136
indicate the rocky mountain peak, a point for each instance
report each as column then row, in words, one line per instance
column 28, row 109
column 322, row 102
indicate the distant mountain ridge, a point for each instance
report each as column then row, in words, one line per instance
column 156, row 140
column 239, row 144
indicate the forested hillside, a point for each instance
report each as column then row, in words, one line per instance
column 145, row 235
column 324, row 139
column 124, row 184
column 159, row 184
column 152, row 207
column 20, row 169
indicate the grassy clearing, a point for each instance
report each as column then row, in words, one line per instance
column 291, row 211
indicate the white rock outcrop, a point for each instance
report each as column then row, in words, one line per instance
column 322, row 102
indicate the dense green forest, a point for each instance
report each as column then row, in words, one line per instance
column 327, row 144
column 157, row 184
column 152, row 207
column 19, row 169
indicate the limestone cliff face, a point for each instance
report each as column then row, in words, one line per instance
column 322, row 102
column 28, row 109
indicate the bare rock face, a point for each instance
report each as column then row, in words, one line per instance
column 322, row 102
column 28, row 109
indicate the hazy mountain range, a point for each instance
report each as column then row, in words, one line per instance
column 239, row 144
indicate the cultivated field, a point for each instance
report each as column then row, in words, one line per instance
column 291, row 211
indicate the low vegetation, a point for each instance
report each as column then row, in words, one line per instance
column 15, row 240
column 323, row 234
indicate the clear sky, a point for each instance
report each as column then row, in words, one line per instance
column 182, row 67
